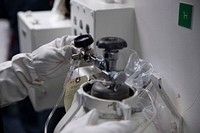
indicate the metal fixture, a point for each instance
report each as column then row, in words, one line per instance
column 113, row 88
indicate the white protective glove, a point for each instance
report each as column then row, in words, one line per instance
column 88, row 124
column 31, row 70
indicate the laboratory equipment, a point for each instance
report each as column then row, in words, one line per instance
column 114, row 88
column 101, row 19
column 39, row 27
column 114, row 98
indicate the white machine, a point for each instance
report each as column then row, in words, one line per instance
column 101, row 19
column 40, row 27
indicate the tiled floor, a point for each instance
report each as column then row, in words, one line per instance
column 4, row 35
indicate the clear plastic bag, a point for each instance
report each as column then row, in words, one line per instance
column 138, row 71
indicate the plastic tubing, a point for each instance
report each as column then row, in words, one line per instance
column 154, row 108
column 73, row 65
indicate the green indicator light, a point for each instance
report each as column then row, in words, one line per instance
column 185, row 15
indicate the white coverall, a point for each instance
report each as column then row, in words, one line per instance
column 30, row 70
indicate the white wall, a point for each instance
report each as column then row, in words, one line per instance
column 174, row 51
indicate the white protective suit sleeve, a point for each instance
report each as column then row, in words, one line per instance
column 30, row 70
column 88, row 124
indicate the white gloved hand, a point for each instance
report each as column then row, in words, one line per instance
column 88, row 124
column 31, row 70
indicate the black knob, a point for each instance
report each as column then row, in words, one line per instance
column 83, row 41
column 111, row 43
